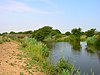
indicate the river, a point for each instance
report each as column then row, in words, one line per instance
column 81, row 56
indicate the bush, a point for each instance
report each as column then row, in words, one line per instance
column 83, row 38
column 94, row 40
column 4, row 39
column 67, row 33
column 36, row 50
column 62, row 64
column 1, row 40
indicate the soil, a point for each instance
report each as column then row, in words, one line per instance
column 10, row 63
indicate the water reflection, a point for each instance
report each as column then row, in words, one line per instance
column 81, row 55
column 98, row 54
column 76, row 46
column 93, row 50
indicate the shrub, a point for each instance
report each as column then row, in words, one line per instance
column 94, row 40
column 35, row 49
column 63, row 68
column 4, row 39
column 83, row 38
column 67, row 33
column 1, row 40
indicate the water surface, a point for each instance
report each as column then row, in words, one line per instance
column 79, row 55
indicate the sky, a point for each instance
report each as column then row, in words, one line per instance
column 23, row 15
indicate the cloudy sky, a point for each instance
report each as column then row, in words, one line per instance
column 22, row 15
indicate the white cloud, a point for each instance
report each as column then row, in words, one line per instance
column 15, row 6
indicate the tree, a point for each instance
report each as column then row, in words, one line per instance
column 67, row 33
column 34, row 33
column 27, row 32
column 0, row 34
column 20, row 33
column 12, row 32
column 41, row 33
column 39, row 36
column 4, row 33
column 90, row 32
column 55, row 32
column 46, row 30
column 77, row 33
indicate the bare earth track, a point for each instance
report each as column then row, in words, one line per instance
column 9, row 62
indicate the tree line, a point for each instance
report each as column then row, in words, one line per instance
column 47, row 31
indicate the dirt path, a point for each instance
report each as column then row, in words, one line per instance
column 10, row 63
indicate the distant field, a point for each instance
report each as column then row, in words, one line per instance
column 19, row 35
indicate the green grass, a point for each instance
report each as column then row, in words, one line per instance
column 94, row 40
column 21, row 73
column 38, row 54
column 4, row 39
column 36, row 51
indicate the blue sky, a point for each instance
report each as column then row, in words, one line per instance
column 22, row 15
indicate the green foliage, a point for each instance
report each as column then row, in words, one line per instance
column 1, row 40
column 98, row 40
column 39, row 36
column 62, row 64
column 45, row 32
column 4, row 33
column 76, row 46
column 90, row 32
column 61, row 68
column 0, row 34
column 41, row 33
column 49, row 38
column 76, row 32
column 4, row 39
column 39, row 52
column 83, row 38
column 21, row 73
column 92, row 49
column 27, row 32
column 73, row 38
column 34, row 33
column 94, row 40
column 91, row 40
column 20, row 33
column 63, row 39
column 36, row 50
column 12, row 32
column 67, row 33
column 65, row 68
column 59, row 36
column 55, row 32
column 98, row 33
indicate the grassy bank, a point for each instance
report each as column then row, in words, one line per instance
column 38, row 53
